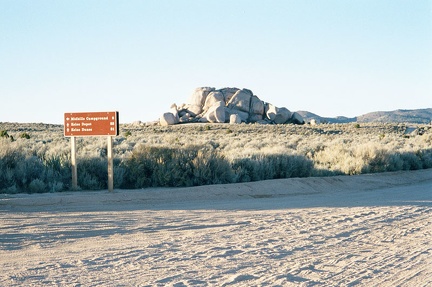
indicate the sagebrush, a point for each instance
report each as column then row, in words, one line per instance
column 38, row 159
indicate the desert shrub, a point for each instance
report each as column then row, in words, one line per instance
column 371, row 157
column 382, row 161
column 411, row 161
column 336, row 157
column 163, row 166
column 7, row 181
column 37, row 186
column 25, row 136
column 245, row 170
column 29, row 169
column 138, row 169
column 92, row 173
column 164, row 156
column 320, row 172
column 57, row 172
column 425, row 157
column 119, row 174
column 9, row 158
column 10, row 155
column 4, row 134
column 273, row 166
column 30, row 174
column 24, row 170
column 211, row 168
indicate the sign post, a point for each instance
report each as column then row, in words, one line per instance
column 110, row 164
column 92, row 124
column 74, row 165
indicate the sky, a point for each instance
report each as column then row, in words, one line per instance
column 329, row 57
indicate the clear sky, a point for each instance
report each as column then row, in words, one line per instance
column 332, row 58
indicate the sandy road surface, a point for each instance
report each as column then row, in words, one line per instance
column 373, row 230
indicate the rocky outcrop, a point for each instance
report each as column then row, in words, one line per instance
column 215, row 114
column 170, row 118
column 197, row 100
column 235, row 119
column 228, row 105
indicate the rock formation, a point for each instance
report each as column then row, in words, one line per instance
column 228, row 105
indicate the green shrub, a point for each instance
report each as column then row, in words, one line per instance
column 25, row 136
column 4, row 134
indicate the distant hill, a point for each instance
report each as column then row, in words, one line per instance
column 418, row 116
column 308, row 116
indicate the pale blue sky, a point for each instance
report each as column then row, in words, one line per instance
column 138, row 57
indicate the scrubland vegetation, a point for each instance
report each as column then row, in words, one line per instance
column 36, row 157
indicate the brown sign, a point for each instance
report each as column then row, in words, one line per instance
column 91, row 124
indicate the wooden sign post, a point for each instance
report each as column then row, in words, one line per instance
column 110, row 164
column 74, row 165
column 92, row 124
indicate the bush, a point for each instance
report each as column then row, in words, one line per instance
column 92, row 173
column 164, row 156
column 262, row 167
column 37, row 185
column 25, row 136
column 21, row 172
column 425, row 157
column 211, row 168
column 162, row 166
column 4, row 134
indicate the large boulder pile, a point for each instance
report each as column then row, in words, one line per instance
column 227, row 105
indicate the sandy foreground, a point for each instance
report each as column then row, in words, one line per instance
column 366, row 230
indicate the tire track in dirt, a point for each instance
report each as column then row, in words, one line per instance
column 344, row 246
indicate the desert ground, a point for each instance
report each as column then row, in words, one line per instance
column 361, row 230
